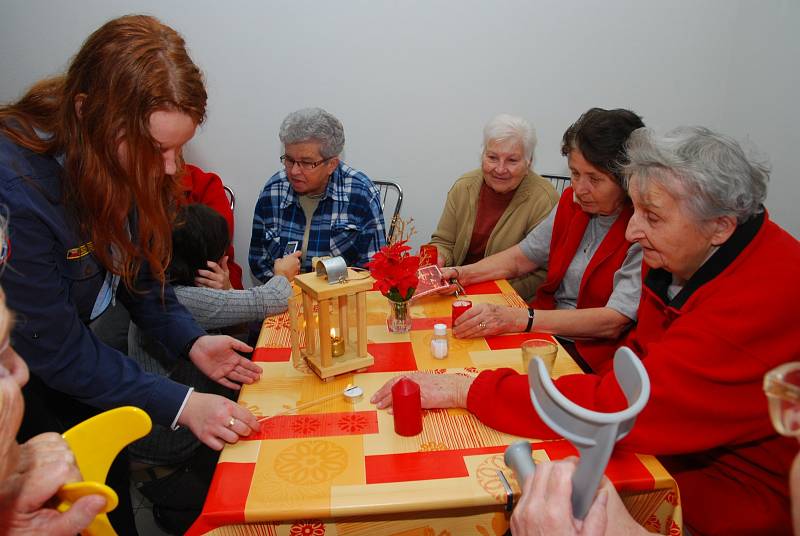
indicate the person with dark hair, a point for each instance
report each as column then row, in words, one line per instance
column 89, row 172
column 322, row 205
column 593, row 279
column 206, row 188
column 200, row 235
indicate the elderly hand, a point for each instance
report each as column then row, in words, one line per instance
column 288, row 266
column 45, row 464
column 436, row 390
column 451, row 272
column 545, row 507
column 44, row 449
column 218, row 275
column 216, row 356
column 215, row 420
column 485, row 319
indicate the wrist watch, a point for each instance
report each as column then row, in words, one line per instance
column 530, row 320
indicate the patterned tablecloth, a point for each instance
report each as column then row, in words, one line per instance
column 338, row 468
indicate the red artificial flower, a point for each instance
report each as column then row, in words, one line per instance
column 395, row 271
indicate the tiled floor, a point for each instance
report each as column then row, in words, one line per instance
column 143, row 512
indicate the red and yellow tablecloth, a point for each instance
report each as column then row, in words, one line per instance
column 338, row 468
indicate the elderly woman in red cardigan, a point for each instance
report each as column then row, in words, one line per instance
column 718, row 310
column 593, row 273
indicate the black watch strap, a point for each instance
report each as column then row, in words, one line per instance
column 530, row 320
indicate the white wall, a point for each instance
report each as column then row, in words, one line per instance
column 414, row 81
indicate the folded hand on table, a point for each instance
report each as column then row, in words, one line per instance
column 545, row 507
column 215, row 420
column 436, row 390
column 485, row 319
column 216, row 357
column 43, row 465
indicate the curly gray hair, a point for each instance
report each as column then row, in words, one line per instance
column 314, row 124
column 505, row 126
column 708, row 170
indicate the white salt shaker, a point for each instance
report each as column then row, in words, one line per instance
column 439, row 341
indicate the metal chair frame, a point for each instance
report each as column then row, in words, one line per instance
column 385, row 187
column 560, row 182
column 231, row 196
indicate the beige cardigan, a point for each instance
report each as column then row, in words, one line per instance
column 532, row 202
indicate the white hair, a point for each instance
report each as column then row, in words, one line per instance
column 505, row 126
column 708, row 170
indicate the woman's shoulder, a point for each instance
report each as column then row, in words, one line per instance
column 540, row 187
column 468, row 181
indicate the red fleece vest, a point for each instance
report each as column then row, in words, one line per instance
column 597, row 282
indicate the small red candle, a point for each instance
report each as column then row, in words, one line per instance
column 407, row 407
column 459, row 306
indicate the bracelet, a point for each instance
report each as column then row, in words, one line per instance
column 530, row 320
column 458, row 274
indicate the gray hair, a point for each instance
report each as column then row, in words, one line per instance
column 708, row 170
column 314, row 124
column 505, row 126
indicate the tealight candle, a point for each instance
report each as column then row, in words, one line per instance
column 337, row 344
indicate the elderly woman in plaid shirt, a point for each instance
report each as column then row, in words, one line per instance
column 317, row 201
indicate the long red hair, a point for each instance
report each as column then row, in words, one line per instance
column 126, row 70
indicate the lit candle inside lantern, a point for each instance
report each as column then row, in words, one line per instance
column 337, row 344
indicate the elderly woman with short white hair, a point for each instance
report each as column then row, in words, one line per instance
column 493, row 207
column 718, row 310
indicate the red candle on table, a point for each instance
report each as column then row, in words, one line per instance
column 459, row 306
column 407, row 407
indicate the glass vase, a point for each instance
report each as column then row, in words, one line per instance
column 399, row 319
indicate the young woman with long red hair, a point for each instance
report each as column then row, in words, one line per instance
column 89, row 173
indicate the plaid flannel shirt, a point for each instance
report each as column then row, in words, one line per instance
column 348, row 221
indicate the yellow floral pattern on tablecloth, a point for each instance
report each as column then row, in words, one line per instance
column 311, row 462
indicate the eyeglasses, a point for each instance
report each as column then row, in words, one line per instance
column 782, row 387
column 289, row 162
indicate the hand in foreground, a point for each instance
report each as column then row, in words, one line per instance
column 45, row 464
column 545, row 507
column 215, row 420
column 288, row 266
column 44, row 449
column 217, row 276
column 436, row 390
column 485, row 319
column 216, row 356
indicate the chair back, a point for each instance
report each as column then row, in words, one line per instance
column 391, row 201
column 231, row 196
column 559, row 182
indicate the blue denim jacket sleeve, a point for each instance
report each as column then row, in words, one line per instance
column 51, row 284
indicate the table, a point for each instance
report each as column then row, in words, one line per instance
column 338, row 468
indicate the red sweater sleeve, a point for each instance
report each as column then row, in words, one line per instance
column 501, row 399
